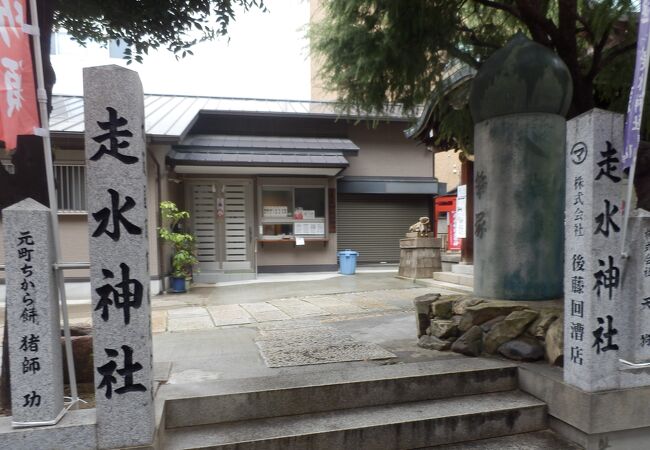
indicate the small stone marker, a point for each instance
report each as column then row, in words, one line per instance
column 119, row 251
column 597, row 310
column 637, row 291
column 32, row 315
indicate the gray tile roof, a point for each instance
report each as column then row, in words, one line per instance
column 267, row 143
column 170, row 115
column 256, row 158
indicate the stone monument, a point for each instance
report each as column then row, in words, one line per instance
column 604, row 310
column 32, row 316
column 518, row 102
column 419, row 253
column 119, row 252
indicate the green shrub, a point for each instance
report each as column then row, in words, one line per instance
column 183, row 244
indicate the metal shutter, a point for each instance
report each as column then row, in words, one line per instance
column 373, row 226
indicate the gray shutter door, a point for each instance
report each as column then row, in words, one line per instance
column 373, row 226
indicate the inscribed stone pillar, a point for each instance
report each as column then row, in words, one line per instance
column 636, row 294
column 597, row 302
column 32, row 315
column 119, row 273
column 518, row 102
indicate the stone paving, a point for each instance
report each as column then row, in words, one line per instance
column 187, row 317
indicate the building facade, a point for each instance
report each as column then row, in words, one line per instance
column 271, row 186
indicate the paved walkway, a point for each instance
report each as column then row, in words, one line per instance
column 187, row 318
column 221, row 332
column 214, row 332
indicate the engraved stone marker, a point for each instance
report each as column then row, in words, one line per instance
column 119, row 274
column 32, row 315
column 636, row 282
column 598, row 326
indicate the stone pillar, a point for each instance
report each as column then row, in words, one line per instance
column 518, row 102
column 419, row 257
column 598, row 305
column 636, row 295
column 32, row 315
column 119, row 250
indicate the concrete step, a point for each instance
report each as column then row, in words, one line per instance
column 255, row 398
column 405, row 426
column 455, row 278
column 537, row 440
column 464, row 269
column 443, row 285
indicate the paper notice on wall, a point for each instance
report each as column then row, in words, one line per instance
column 300, row 240
column 460, row 219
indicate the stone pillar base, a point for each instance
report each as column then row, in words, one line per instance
column 419, row 257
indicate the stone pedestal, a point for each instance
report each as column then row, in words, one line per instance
column 419, row 257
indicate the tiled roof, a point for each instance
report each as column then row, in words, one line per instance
column 267, row 143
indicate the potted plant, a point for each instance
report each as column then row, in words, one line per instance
column 182, row 243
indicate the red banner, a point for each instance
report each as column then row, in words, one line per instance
column 18, row 109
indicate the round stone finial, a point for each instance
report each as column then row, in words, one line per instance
column 521, row 77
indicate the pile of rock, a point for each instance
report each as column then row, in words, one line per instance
column 523, row 331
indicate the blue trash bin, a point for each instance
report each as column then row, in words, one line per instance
column 347, row 261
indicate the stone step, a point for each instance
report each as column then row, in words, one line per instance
column 254, row 398
column 446, row 286
column 537, row 440
column 464, row 269
column 455, row 278
column 405, row 425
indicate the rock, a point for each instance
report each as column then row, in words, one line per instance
column 554, row 342
column 422, row 312
column 487, row 326
column 470, row 343
column 443, row 328
column 524, row 348
column 433, row 343
column 442, row 308
column 82, row 352
column 462, row 302
column 546, row 317
column 486, row 310
column 511, row 327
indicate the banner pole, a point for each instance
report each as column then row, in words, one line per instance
column 41, row 94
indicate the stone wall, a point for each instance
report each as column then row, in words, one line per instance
column 522, row 331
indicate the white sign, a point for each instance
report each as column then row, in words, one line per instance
column 300, row 240
column 460, row 219
column 275, row 211
column 309, row 228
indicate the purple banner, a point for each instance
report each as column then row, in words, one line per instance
column 637, row 94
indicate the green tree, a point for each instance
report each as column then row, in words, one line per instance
column 378, row 51
column 143, row 25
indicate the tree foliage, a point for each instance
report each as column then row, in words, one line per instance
column 378, row 51
column 149, row 24
column 142, row 25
